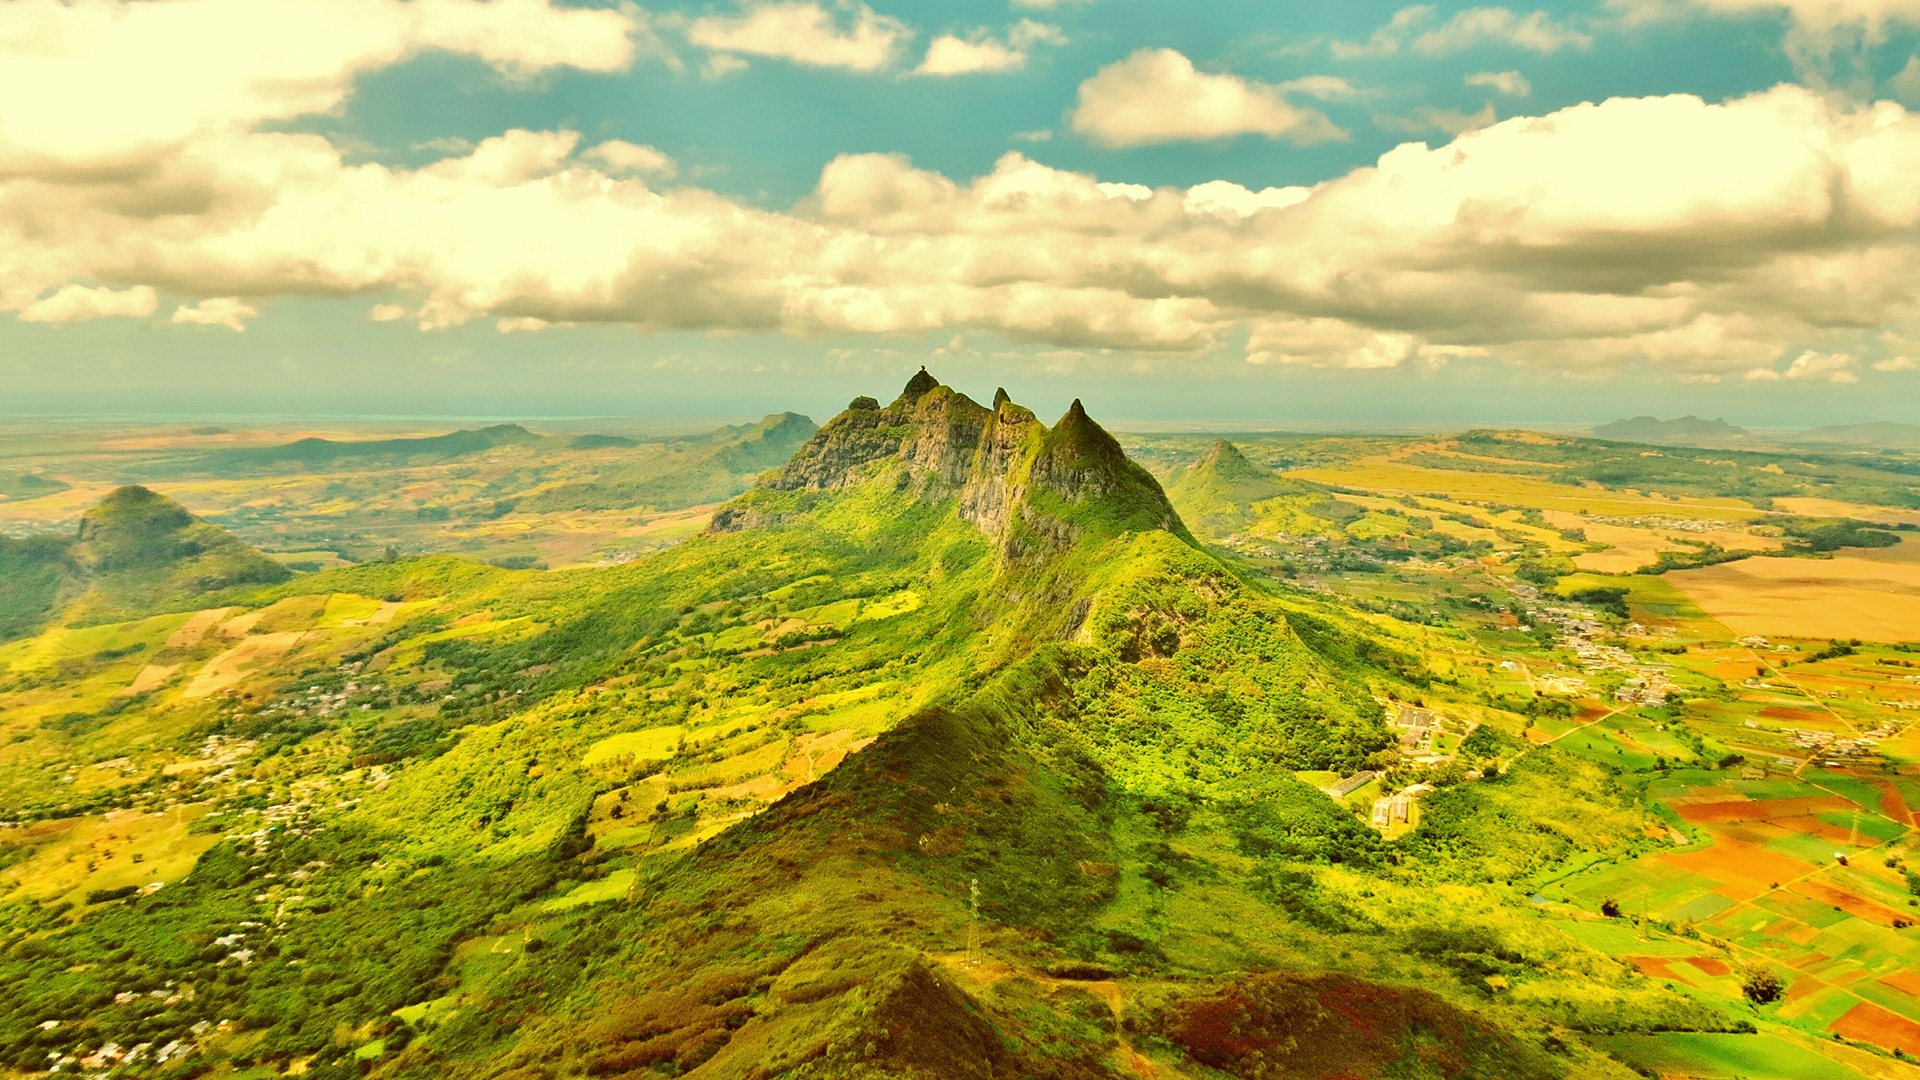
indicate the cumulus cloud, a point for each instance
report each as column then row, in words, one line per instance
column 618, row 156
column 1412, row 29
column 78, row 303
column 1510, row 83
column 114, row 82
column 1665, row 233
column 1898, row 363
column 982, row 52
column 805, row 33
column 1157, row 96
column 1811, row 366
column 228, row 311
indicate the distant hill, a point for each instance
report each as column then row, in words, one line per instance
column 1683, row 429
column 1882, row 435
column 29, row 485
column 704, row 469
column 318, row 451
column 135, row 553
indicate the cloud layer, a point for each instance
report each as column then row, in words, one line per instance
column 1707, row 240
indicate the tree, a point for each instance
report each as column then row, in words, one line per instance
column 1761, row 985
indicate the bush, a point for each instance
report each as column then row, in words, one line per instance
column 1761, row 985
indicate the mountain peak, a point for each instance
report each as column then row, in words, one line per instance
column 918, row 387
column 936, row 440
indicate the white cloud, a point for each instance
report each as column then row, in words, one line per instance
column 228, row 311
column 806, row 33
column 1474, row 27
column 1811, row 366
column 1898, row 363
column 1663, row 234
column 78, row 303
column 1037, row 136
column 388, row 313
column 1432, row 118
column 1156, row 96
column 1324, row 87
column 1510, row 83
column 981, row 52
column 721, row 65
column 619, row 156
column 115, row 83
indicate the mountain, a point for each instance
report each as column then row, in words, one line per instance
column 944, row 753
column 1882, row 435
column 317, row 451
column 1027, row 487
column 1683, row 430
column 1223, row 493
column 703, row 469
column 135, row 553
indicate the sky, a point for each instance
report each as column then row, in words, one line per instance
column 1258, row 212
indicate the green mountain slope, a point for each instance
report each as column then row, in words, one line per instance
column 945, row 752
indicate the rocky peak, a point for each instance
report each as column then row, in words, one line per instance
column 940, row 442
column 917, row 387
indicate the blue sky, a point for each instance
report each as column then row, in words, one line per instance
column 722, row 209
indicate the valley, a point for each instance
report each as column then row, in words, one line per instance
column 938, row 740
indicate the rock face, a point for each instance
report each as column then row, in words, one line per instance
column 1029, row 487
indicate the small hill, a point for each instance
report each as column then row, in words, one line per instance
column 1224, row 493
column 29, row 485
column 135, row 553
column 318, row 451
column 1688, row 430
column 1881, row 436
column 705, row 469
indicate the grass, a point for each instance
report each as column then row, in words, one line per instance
column 1725, row 1057
column 612, row 887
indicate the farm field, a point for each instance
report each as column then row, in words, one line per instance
column 1872, row 594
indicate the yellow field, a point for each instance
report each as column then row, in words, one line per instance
column 1381, row 474
column 1629, row 549
column 1886, row 515
column 123, row 848
column 1873, row 594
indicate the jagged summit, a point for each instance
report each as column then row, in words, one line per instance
column 1016, row 478
column 918, row 387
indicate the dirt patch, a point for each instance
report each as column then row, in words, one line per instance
column 1907, row 982
column 1709, row 965
column 190, row 632
column 230, row 667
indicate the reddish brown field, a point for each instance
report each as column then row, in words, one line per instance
column 1871, row 1023
column 1732, row 859
column 1709, row 965
column 1813, row 826
column 1786, row 712
column 1907, row 982
column 1716, row 813
column 1846, row 901
column 1893, row 805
